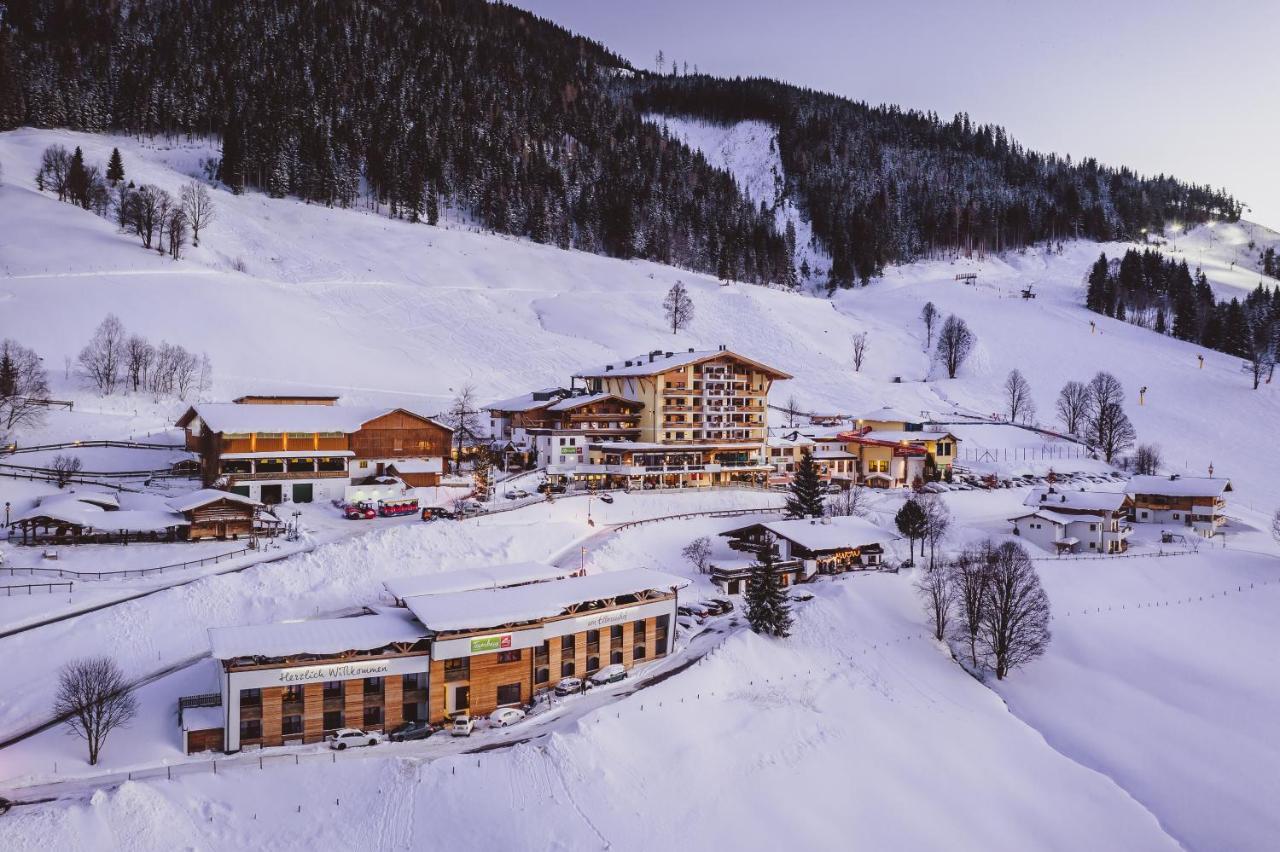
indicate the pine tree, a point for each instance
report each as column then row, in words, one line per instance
column 115, row 167
column 805, row 498
column 78, row 180
column 1096, row 296
column 768, row 609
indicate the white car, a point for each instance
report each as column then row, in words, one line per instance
column 462, row 725
column 609, row 674
column 569, row 686
column 353, row 738
column 504, row 716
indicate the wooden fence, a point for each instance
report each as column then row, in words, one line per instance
column 133, row 573
column 29, row 588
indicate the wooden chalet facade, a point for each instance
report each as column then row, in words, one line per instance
column 802, row 548
column 1181, row 501
column 287, row 451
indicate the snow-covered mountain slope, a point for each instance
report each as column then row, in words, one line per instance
column 378, row 309
column 748, row 150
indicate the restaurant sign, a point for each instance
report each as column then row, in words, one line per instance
column 497, row 642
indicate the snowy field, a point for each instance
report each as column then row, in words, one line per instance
column 1141, row 729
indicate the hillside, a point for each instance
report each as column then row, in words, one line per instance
column 1101, row 744
column 484, row 111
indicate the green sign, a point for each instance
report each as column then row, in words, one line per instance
column 484, row 644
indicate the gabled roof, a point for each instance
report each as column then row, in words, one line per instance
column 572, row 402
column 1051, row 517
column 468, row 579
column 530, row 401
column 148, row 513
column 321, row 636
column 655, row 363
column 889, row 414
column 821, row 535
column 1179, row 486
column 235, row 417
column 1079, row 501
column 487, row 608
column 206, row 496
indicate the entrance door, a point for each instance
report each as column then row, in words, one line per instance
column 459, row 700
column 302, row 492
column 272, row 494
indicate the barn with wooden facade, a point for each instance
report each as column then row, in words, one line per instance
column 288, row 450
column 211, row 513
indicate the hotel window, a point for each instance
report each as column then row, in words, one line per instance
column 509, row 693
column 333, row 689
column 593, row 640
column 508, row 656
column 615, row 656
column 459, row 669
column 593, row 664
column 542, row 675
column 333, row 720
column 637, row 632
column 373, row 686
column 615, row 634
column 372, row 716
column 566, row 644
column 543, row 652
column 251, row 730
column 250, row 697
column 292, row 694
column 291, row 725
column 412, row 681
column 409, row 712
column 566, row 668
column 638, row 653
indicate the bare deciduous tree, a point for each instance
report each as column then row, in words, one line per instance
column 139, row 356
column 1015, row 625
column 1275, row 526
column 970, row 575
column 64, row 468
column 55, row 166
column 929, row 316
column 936, row 589
column 463, row 417
column 678, row 307
column 792, row 411
column 848, row 502
column 1073, row 406
column 937, row 521
column 177, row 233
column 1109, row 429
column 1017, row 398
column 859, row 350
column 1147, row 459
column 24, row 386
column 698, row 552
column 955, row 342
column 94, row 699
column 197, row 204
column 102, row 361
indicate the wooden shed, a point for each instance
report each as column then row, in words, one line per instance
column 216, row 514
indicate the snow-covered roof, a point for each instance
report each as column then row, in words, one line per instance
column 484, row 608
column 204, row 497
column 889, row 414
column 833, row 454
column 826, row 534
column 661, row 362
column 896, row 435
column 468, row 579
column 435, row 465
column 1079, row 501
column 1050, row 516
column 201, row 718
column 86, row 510
column 527, row 401
column 572, row 402
column 260, row 417
column 1180, row 486
column 321, row 636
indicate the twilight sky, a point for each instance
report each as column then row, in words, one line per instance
column 1175, row 86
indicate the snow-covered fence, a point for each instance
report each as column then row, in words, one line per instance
column 80, row 445
column 130, row 574
column 28, row 588
column 714, row 513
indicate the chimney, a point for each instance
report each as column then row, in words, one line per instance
column 628, row 363
column 691, row 349
column 669, row 354
column 608, row 368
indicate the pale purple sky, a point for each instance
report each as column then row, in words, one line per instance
column 1175, row 86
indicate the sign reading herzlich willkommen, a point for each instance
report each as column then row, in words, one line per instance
column 336, row 671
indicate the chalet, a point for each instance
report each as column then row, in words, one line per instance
column 896, row 449
column 459, row 642
column 803, row 547
column 1075, row 521
column 830, row 451
column 1189, row 501
column 297, row 451
column 556, row 428
column 89, row 517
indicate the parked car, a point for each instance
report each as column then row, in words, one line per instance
column 359, row 512
column 608, row 674
column 462, row 725
column 606, row 498
column 831, row 488
column 353, row 738
column 435, row 513
column 517, row 494
column 569, row 686
column 397, row 507
column 687, row 622
column 802, row 596
column 504, row 716
column 725, row 604
column 716, row 607
column 412, row 731
column 686, row 613
column 552, row 488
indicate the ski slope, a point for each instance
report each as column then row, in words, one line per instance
column 1129, row 734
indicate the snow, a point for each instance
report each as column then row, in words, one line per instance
column 1183, row 486
column 468, row 579
column 830, row 533
column 1085, row 501
column 651, row 364
column 889, row 414
column 205, row 496
column 482, row 608
column 1146, row 728
column 137, row 512
column 234, row 417
column 318, row 636
column 1053, row 518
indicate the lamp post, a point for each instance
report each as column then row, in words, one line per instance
column 297, row 533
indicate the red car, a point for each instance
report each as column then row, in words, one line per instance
column 359, row 512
